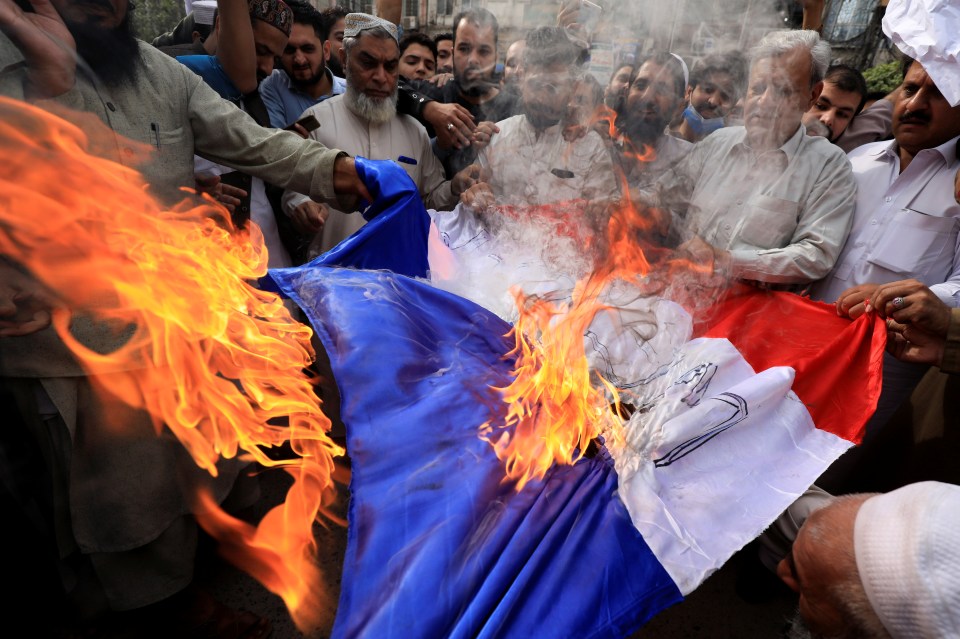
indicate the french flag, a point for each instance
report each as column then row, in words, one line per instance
column 742, row 412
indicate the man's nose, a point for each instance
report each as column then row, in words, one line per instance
column 918, row 101
column 828, row 118
column 298, row 57
column 380, row 74
column 265, row 65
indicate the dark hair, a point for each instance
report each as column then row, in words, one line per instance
column 669, row 62
column 440, row 37
column 846, row 78
column 733, row 63
column 479, row 17
column 547, row 46
column 905, row 63
column 417, row 37
column 330, row 17
column 306, row 13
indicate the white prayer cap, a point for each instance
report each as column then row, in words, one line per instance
column 355, row 23
column 926, row 30
column 203, row 11
column 907, row 546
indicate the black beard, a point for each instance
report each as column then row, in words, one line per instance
column 334, row 66
column 306, row 84
column 112, row 54
column 638, row 130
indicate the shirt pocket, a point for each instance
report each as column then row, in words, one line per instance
column 768, row 222
column 914, row 242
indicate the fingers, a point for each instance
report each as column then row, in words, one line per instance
column 853, row 302
column 39, row 321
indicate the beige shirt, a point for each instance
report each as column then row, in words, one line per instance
column 531, row 169
column 783, row 214
column 400, row 137
column 173, row 114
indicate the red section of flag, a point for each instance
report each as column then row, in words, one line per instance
column 838, row 361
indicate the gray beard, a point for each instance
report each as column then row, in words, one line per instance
column 376, row 110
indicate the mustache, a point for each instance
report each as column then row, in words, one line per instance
column 97, row 4
column 914, row 117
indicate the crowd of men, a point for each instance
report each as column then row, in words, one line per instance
column 769, row 167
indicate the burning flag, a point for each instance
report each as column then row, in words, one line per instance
column 211, row 359
column 726, row 418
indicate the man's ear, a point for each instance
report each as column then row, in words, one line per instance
column 195, row 36
column 343, row 58
column 686, row 96
column 326, row 51
column 814, row 94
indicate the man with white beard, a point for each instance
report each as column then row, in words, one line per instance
column 365, row 121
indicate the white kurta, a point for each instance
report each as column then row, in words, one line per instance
column 400, row 137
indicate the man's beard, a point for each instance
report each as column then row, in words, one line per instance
column 476, row 87
column 112, row 54
column 311, row 81
column 334, row 65
column 637, row 129
column 376, row 110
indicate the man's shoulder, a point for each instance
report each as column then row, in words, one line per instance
column 276, row 82
column 430, row 89
column 325, row 107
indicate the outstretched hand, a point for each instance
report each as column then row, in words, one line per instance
column 47, row 46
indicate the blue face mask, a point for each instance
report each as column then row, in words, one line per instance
column 701, row 126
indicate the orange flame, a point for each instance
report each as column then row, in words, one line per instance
column 217, row 361
column 555, row 407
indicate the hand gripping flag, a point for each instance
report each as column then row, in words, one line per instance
column 741, row 415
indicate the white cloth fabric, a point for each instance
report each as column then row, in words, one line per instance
column 782, row 214
column 905, row 224
column 926, row 31
column 401, row 136
column 907, row 546
column 533, row 169
column 668, row 151
column 701, row 404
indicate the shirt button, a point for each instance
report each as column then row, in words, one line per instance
column 726, row 227
column 888, row 199
column 739, row 201
column 858, row 244
column 111, row 107
column 873, row 222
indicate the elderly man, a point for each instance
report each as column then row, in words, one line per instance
column 841, row 100
column 304, row 79
column 764, row 202
column 133, row 542
column 652, row 99
column 364, row 121
column 879, row 565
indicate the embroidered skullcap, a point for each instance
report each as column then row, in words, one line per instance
column 907, row 546
column 273, row 12
column 354, row 23
column 203, row 11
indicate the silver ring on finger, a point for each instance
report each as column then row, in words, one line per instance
column 898, row 302
column 450, row 126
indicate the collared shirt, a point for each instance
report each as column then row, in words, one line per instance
column 783, row 214
column 286, row 103
column 531, row 169
column 401, row 136
column 643, row 173
column 906, row 224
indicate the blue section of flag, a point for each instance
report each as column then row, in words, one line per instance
column 438, row 545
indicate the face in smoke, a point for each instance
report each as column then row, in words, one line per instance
column 651, row 103
column 779, row 92
column 546, row 92
column 104, row 37
column 474, row 58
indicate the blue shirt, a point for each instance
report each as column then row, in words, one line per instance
column 285, row 103
column 208, row 68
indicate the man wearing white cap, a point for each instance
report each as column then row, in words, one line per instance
column 879, row 565
column 364, row 121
